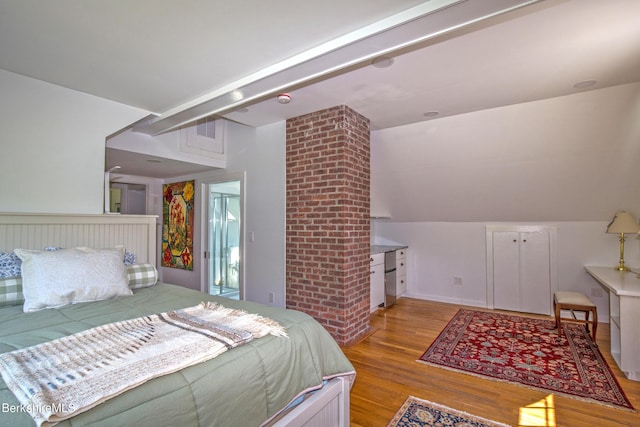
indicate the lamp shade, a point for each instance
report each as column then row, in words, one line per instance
column 623, row 222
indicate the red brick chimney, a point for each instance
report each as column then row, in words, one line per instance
column 327, row 241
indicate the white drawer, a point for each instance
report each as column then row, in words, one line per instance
column 377, row 259
column 401, row 284
column 401, row 267
column 401, row 262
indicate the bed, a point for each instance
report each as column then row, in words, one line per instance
column 301, row 379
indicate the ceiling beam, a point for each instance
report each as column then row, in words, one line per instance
column 400, row 31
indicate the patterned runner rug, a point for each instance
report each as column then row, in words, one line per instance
column 416, row 412
column 527, row 351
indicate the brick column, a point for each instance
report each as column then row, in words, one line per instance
column 327, row 242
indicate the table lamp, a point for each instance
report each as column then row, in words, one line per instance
column 623, row 223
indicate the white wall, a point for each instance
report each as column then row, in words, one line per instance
column 259, row 155
column 438, row 251
column 572, row 158
column 167, row 145
column 571, row 162
column 52, row 144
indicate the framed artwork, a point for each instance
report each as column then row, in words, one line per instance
column 177, row 225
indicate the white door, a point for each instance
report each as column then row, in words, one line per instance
column 535, row 284
column 506, row 270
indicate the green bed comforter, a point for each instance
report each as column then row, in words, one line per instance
column 242, row 387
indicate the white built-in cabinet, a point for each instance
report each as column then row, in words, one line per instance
column 376, row 281
column 521, row 268
column 401, row 272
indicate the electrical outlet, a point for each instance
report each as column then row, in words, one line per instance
column 596, row 292
column 457, row 280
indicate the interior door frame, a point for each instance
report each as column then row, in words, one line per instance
column 125, row 195
column 218, row 178
column 553, row 257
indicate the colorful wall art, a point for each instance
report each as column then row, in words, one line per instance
column 177, row 229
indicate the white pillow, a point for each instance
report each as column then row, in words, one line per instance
column 69, row 276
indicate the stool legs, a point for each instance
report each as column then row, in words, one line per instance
column 588, row 313
column 595, row 324
column 556, row 308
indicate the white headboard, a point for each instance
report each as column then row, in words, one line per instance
column 36, row 231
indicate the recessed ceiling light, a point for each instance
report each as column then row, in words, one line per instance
column 430, row 114
column 584, row 84
column 237, row 95
column 382, row 62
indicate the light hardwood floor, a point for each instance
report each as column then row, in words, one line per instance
column 387, row 373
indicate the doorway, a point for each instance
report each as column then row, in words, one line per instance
column 128, row 198
column 224, row 239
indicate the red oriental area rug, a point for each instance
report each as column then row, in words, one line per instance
column 527, row 351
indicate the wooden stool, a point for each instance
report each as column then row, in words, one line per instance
column 575, row 301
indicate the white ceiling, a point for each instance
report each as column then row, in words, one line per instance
column 164, row 56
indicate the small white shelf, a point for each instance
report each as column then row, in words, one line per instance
column 624, row 316
column 615, row 320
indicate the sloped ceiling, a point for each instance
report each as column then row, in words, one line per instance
column 161, row 55
column 569, row 158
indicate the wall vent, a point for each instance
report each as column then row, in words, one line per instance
column 206, row 127
column 205, row 137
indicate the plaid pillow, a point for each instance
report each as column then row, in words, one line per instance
column 142, row 275
column 11, row 291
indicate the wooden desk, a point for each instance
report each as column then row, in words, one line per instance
column 624, row 316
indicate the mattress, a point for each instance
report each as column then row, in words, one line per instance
column 245, row 386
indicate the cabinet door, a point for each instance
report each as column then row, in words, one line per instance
column 376, row 292
column 535, row 280
column 506, row 270
column 521, row 271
